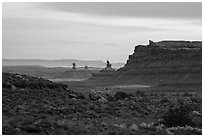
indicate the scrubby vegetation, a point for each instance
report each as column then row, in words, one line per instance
column 178, row 116
column 32, row 105
column 23, row 81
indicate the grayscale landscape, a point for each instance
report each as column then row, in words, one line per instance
column 106, row 68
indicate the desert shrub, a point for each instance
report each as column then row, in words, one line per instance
column 187, row 94
column 5, row 84
column 31, row 129
column 64, row 86
column 52, row 85
column 153, row 94
column 34, row 85
column 197, row 99
column 140, row 93
column 164, row 100
column 15, row 122
column 21, row 84
column 178, row 116
column 109, row 97
column 27, row 121
column 6, row 130
column 120, row 95
column 80, row 95
column 84, row 102
column 130, row 95
column 162, row 94
column 41, row 85
column 50, row 112
column 187, row 130
column 45, row 123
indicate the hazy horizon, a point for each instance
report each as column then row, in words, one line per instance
column 93, row 31
column 104, row 61
column 59, row 63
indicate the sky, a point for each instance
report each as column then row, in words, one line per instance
column 93, row 31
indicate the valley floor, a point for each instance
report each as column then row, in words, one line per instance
column 36, row 106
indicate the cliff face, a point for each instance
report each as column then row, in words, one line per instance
column 164, row 62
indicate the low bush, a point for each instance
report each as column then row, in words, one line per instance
column 164, row 100
column 120, row 95
column 140, row 93
column 178, row 116
column 187, row 94
column 5, row 84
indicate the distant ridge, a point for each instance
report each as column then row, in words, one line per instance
column 57, row 63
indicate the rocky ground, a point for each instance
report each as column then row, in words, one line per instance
column 31, row 105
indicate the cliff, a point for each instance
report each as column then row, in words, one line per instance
column 164, row 62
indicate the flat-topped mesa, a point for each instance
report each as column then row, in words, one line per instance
column 163, row 60
column 170, row 44
column 166, row 48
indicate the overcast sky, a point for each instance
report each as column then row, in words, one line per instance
column 94, row 31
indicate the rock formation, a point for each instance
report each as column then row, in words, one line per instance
column 108, row 65
column 86, row 67
column 166, row 61
column 73, row 66
column 108, row 68
column 107, row 71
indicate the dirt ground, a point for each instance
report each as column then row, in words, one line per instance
column 49, row 108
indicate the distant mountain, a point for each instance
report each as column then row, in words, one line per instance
column 57, row 63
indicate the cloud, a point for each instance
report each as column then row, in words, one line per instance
column 30, row 15
column 130, row 9
column 32, row 30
